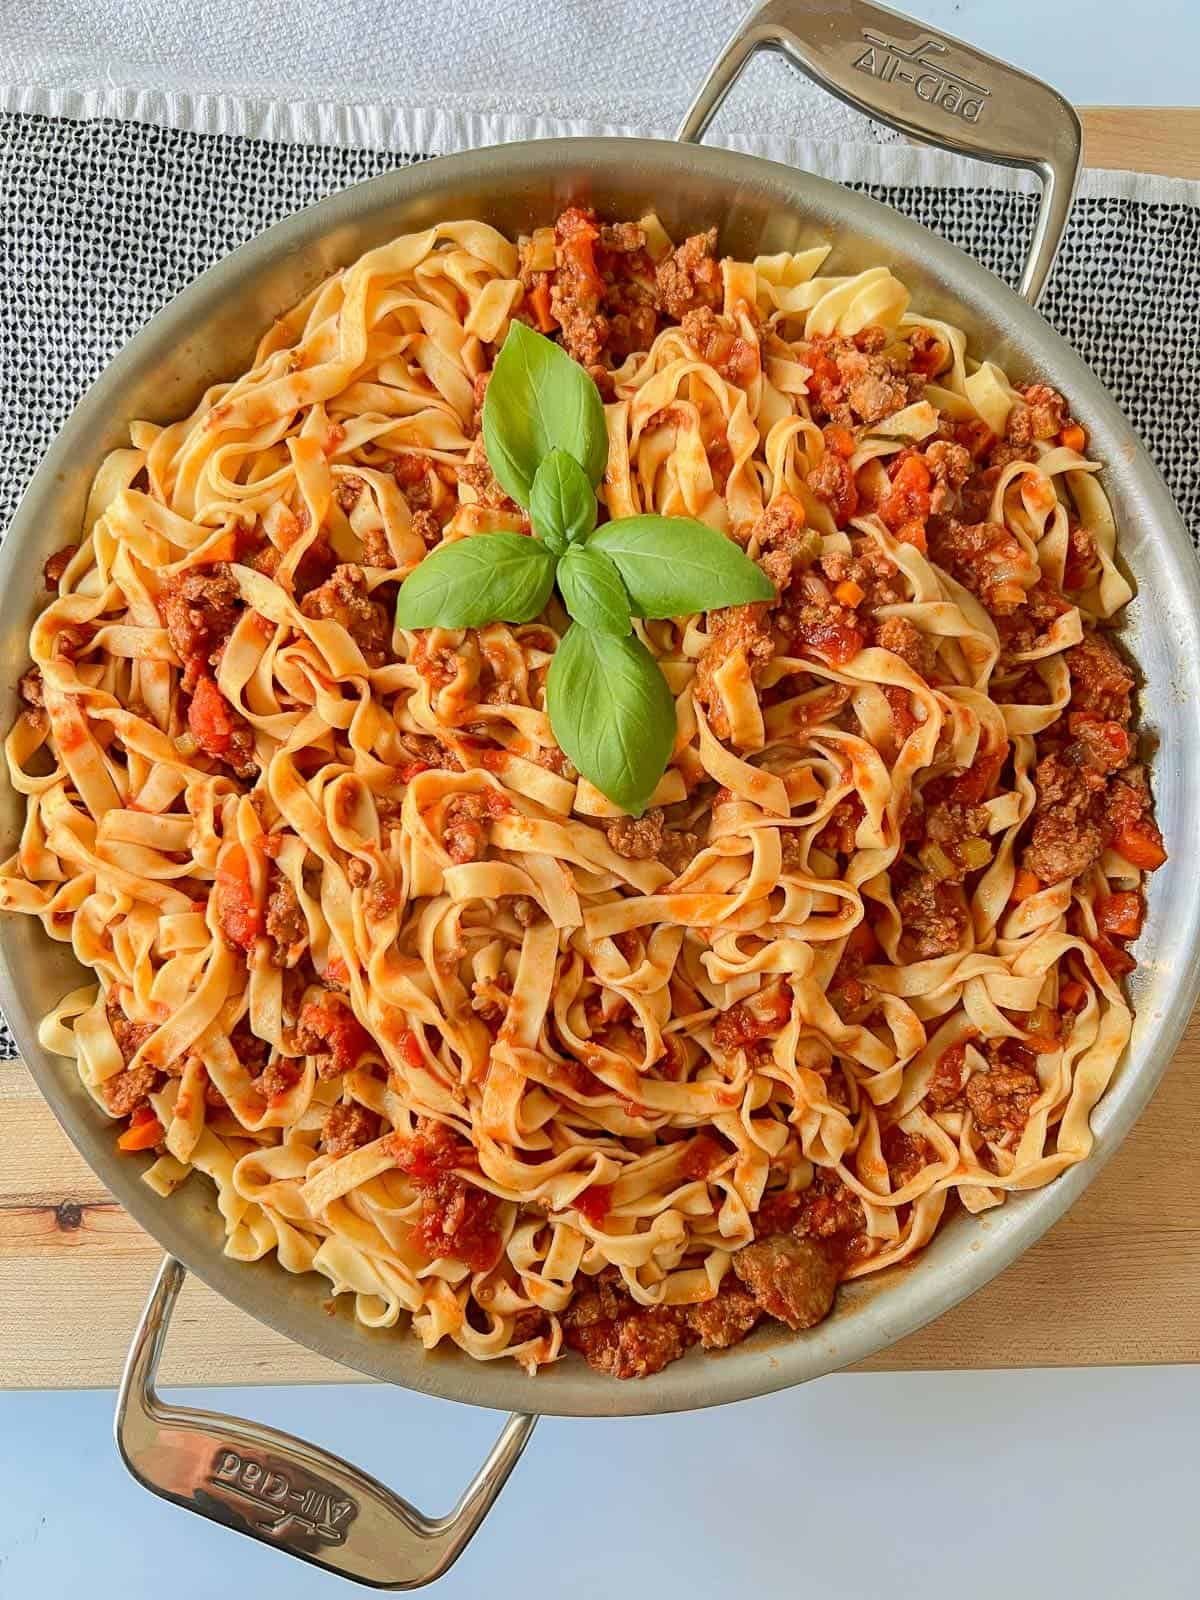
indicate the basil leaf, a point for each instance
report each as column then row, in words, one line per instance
column 489, row 577
column 592, row 589
column 672, row 566
column 612, row 714
column 539, row 400
column 562, row 502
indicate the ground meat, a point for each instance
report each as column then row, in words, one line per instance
column 1100, row 680
column 251, row 1051
column 715, row 342
column 525, row 910
column 1043, row 415
column 382, row 900
column 464, row 823
column 875, row 392
column 427, row 528
column 617, row 1336
column 862, row 379
column 127, row 1090
column 130, row 1036
column 220, row 730
column 932, row 915
column 600, row 290
column 726, row 1319
column 278, row 1077
column 346, row 1127
column 645, row 838
column 57, row 564
column 1081, row 559
column 1066, row 838
column 915, row 649
column 949, row 463
column 1097, row 746
column 1000, row 1101
column 735, row 628
column 31, row 687
column 948, row 825
column 332, row 1035
column 478, row 475
column 1061, row 845
column 905, row 1154
column 344, row 598
column 199, row 609
column 376, row 552
column 832, row 480
column 790, row 1278
column 748, row 1021
column 690, row 277
column 950, row 466
column 287, row 925
column 946, row 1085
column 788, row 546
column 577, row 290
column 984, row 557
column 828, row 1209
column 530, row 1324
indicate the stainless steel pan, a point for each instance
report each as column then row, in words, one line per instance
column 293, row 1495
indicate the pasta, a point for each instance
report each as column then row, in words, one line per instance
column 437, row 1020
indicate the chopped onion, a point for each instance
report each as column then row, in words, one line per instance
column 976, row 853
column 934, row 859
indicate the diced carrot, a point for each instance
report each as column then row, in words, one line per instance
column 840, row 440
column 912, row 532
column 849, row 593
column 1073, row 438
column 907, row 500
column 237, row 909
column 540, row 301
column 861, row 941
column 210, row 718
column 141, row 1135
column 1141, row 844
column 912, row 474
column 578, row 248
column 1024, row 884
column 976, row 436
column 1072, row 995
column 1121, row 914
column 1040, row 1043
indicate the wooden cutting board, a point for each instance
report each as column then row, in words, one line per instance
column 1118, row 1280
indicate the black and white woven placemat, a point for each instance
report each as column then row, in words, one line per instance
column 101, row 222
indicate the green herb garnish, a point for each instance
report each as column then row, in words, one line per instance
column 609, row 705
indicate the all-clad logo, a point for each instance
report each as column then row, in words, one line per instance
column 923, row 68
column 299, row 1506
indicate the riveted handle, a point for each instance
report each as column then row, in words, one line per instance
column 291, row 1495
column 926, row 84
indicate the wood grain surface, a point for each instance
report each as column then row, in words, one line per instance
column 1117, row 1281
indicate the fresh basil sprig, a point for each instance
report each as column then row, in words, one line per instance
column 592, row 591
column 562, row 502
column 501, row 577
column 539, row 400
column 609, row 705
column 612, row 713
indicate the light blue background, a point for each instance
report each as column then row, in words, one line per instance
column 1035, row 1484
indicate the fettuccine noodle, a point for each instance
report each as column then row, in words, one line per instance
column 435, row 1019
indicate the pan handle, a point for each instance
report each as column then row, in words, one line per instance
column 291, row 1495
column 928, row 85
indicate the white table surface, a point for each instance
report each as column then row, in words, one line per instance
column 1046, row 1484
